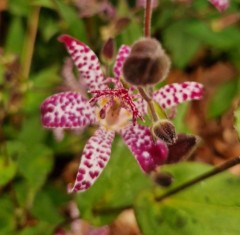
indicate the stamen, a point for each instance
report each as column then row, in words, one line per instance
column 124, row 97
column 103, row 110
column 102, row 113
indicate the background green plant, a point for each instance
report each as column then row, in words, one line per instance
column 33, row 163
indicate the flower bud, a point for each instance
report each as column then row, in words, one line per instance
column 107, row 52
column 147, row 63
column 183, row 148
column 165, row 130
column 163, row 179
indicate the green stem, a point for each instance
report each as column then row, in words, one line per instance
column 149, row 101
column 190, row 183
column 29, row 43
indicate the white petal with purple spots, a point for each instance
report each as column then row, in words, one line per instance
column 148, row 153
column 221, row 5
column 95, row 157
column 67, row 110
column 122, row 54
column 86, row 61
column 175, row 93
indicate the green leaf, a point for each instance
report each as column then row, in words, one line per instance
column 7, row 221
column 225, row 39
column 32, row 132
column 41, row 84
column 212, row 205
column 222, row 98
column 15, row 36
column 38, row 229
column 49, row 27
column 45, row 210
column 8, row 169
column 43, row 3
column 35, row 163
column 22, row 192
column 74, row 22
column 181, row 45
column 237, row 120
column 46, row 78
column 178, row 121
column 129, row 35
column 19, row 7
column 117, row 186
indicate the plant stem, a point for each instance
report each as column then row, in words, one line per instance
column 147, row 33
column 30, row 41
column 149, row 101
column 147, row 18
column 215, row 171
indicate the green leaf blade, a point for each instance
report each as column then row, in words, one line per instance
column 212, row 205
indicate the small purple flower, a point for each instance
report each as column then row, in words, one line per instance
column 221, row 5
column 113, row 110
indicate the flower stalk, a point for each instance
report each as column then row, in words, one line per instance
column 147, row 33
column 215, row 171
column 149, row 101
column 147, row 18
column 30, row 41
column 218, row 169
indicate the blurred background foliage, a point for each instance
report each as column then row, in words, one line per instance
column 35, row 168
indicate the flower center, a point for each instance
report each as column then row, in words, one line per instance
column 112, row 115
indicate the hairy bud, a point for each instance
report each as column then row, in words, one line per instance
column 107, row 52
column 163, row 179
column 184, row 146
column 165, row 130
column 147, row 63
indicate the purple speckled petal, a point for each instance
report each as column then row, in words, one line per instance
column 148, row 153
column 67, row 110
column 95, row 157
column 221, row 5
column 121, row 57
column 86, row 61
column 175, row 93
column 141, row 106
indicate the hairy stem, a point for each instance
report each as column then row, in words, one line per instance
column 147, row 18
column 149, row 101
column 30, row 41
column 204, row 176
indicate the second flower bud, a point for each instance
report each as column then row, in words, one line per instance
column 165, row 130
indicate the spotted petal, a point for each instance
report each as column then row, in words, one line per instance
column 148, row 153
column 221, row 5
column 173, row 94
column 86, row 61
column 95, row 157
column 121, row 57
column 141, row 106
column 67, row 110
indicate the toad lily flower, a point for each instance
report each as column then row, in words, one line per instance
column 113, row 110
